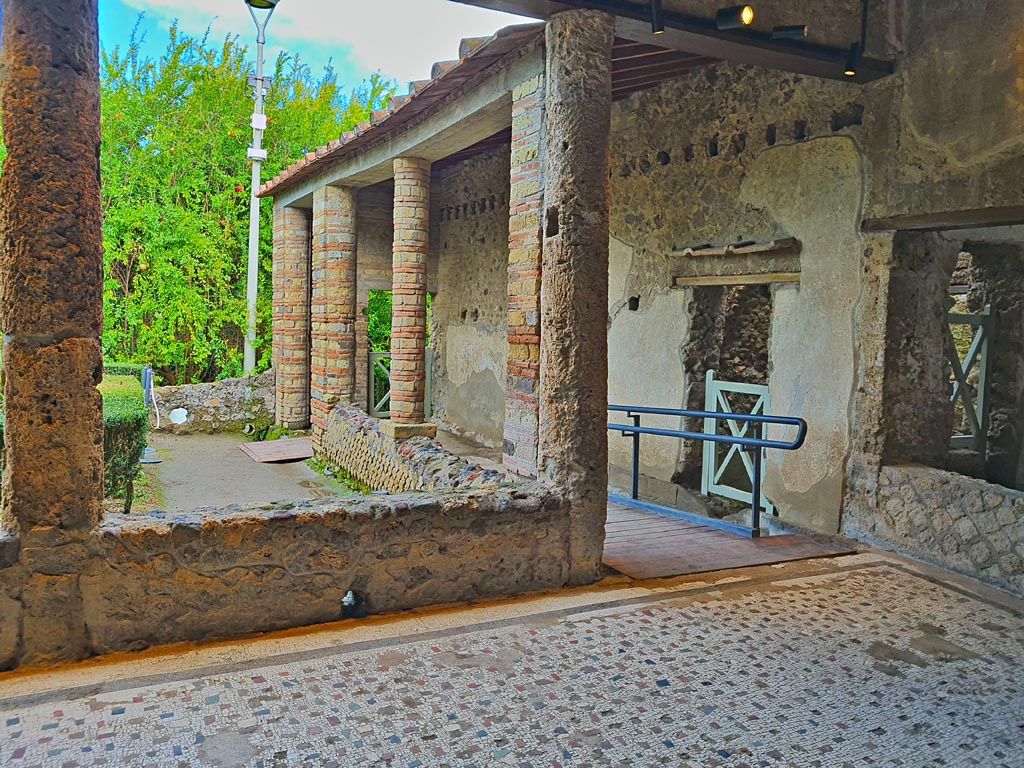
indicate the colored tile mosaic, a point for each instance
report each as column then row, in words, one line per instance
column 872, row 666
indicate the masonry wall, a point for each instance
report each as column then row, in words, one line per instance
column 355, row 443
column 220, row 406
column 470, row 209
column 963, row 523
column 732, row 154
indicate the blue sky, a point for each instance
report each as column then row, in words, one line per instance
column 400, row 38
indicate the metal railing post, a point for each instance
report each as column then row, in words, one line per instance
column 755, row 491
column 635, row 484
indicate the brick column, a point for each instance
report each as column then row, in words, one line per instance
column 51, row 313
column 574, row 300
column 332, row 304
column 291, row 314
column 409, row 296
column 526, row 199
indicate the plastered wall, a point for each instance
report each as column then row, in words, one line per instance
column 469, row 317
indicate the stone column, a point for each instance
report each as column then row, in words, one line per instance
column 409, row 297
column 574, row 299
column 917, row 413
column 51, row 311
column 901, row 411
column 526, row 199
column 332, row 304
column 291, row 314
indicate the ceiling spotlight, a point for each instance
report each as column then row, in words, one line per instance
column 657, row 25
column 795, row 32
column 735, row 17
column 852, row 60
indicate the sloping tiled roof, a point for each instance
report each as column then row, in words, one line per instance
column 475, row 55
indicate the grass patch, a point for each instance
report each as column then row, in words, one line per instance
column 338, row 476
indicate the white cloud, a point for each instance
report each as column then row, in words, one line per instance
column 401, row 38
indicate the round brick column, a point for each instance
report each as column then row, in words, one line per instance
column 573, row 447
column 291, row 341
column 409, row 289
column 332, row 304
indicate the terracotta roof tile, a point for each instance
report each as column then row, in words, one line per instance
column 476, row 54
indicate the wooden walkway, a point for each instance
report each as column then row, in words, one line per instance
column 646, row 545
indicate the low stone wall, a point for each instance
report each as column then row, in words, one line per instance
column 963, row 523
column 354, row 442
column 143, row 580
column 220, row 406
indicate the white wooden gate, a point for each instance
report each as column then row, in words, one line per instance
column 715, row 467
column 972, row 394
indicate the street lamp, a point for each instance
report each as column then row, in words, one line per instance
column 257, row 155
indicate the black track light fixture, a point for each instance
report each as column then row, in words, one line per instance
column 735, row 17
column 852, row 60
column 657, row 24
column 792, row 32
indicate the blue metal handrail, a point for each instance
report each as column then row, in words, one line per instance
column 753, row 444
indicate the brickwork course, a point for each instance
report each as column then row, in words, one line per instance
column 525, row 246
column 409, row 294
column 332, row 304
column 291, row 314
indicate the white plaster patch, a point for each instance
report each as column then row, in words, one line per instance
column 645, row 367
column 469, row 350
column 814, row 190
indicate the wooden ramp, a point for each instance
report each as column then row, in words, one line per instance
column 646, row 545
column 286, row 449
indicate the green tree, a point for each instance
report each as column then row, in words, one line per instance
column 176, row 195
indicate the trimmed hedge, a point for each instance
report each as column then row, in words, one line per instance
column 125, row 423
column 123, row 369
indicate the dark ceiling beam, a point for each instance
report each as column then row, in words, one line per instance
column 631, row 66
column 702, row 38
column 665, row 72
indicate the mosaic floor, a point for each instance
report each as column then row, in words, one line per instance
column 857, row 664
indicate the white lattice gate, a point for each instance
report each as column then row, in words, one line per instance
column 718, row 467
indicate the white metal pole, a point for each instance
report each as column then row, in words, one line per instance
column 257, row 154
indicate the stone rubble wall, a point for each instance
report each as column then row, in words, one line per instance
column 215, row 573
column 960, row 522
column 220, row 406
column 353, row 441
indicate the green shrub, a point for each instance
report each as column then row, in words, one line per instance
column 123, row 369
column 125, row 423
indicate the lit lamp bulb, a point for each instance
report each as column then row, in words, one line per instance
column 735, row 17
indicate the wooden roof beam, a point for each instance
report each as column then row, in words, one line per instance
column 701, row 37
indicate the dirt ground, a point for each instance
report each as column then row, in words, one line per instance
column 211, row 470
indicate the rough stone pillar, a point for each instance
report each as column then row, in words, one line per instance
column 409, row 297
column 918, row 416
column 51, row 310
column 332, row 304
column 901, row 410
column 526, row 199
column 574, row 300
column 291, row 314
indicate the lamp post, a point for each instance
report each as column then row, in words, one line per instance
column 257, row 155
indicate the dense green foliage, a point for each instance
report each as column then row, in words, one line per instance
column 125, row 423
column 176, row 195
